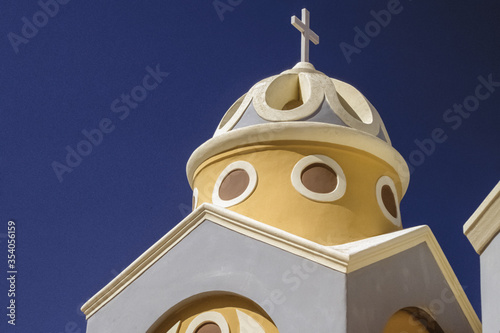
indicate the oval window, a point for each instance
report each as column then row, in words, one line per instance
column 208, row 322
column 208, row 328
column 387, row 199
column 319, row 178
column 236, row 182
column 194, row 201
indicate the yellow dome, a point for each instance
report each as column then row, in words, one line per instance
column 307, row 154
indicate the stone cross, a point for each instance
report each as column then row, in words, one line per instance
column 307, row 34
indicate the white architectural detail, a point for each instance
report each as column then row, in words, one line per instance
column 385, row 180
column 304, row 131
column 208, row 317
column 195, row 198
column 484, row 224
column 174, row 328
column 346, row 258
column 234, row 114
column 309, row 88
column 307, row 34
column 248, row 324
column 336, row 194
column 252, row 183
column 369, row 119
column 275, row 92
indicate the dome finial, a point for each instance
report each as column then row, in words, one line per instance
column 307, row 34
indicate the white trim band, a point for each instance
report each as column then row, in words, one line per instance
column 252, row 183
column 299, row 167
column 385, row 180
column 208, row 317
column 300, row 131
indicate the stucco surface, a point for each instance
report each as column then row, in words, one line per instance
column 410, row 278
column 490, row 286
column 299, row 295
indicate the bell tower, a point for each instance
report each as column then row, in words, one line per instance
column 307, row 154
column 295, row 227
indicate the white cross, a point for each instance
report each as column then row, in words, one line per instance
column 307, row 34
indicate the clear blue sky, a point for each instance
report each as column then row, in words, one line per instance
column 62, row 78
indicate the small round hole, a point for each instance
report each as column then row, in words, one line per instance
column 319, row 178
column 208, row 328
column 389, row 201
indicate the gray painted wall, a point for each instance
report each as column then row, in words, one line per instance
column 490, row 286
column 299, row 295
column 411, row 278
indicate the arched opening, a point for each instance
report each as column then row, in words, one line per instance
column 215, row 312
column 412, row 320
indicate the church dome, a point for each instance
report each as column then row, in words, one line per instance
column 303, row 104
column 307, row 95
column 306, row 154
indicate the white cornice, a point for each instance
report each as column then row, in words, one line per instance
column 344, row 258
column 300, row 131
column 484, row 224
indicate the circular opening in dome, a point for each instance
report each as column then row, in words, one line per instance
column 294, row 103
column 348, row 108
column 353, row 102
column 194, row 200
column 234, row 184
column 284, row 93
column 232, row 110
column 319, row 178
column 389, row 201
column 208, row 328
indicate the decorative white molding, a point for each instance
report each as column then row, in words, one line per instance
column 195, row 198
column 248, row 324
column 385, row 180
column 269, row 96
column 484, row 224
column 296, row 177
column 252, row 183
column 308, row 132
column 277, row 90
column 174, row 328
column 208, row 317
column 370, row 120
column 233, row 114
